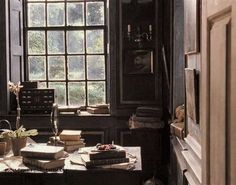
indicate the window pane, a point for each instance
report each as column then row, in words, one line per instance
column 75, row 42
column 36, row 42
column 95, row 41
column 56, row 43
column 42, row 85
column 96, row 67
column 95, row 13
column 75, row 14
column 56, row 14
column 37, row 68
column 77, row 93
column 96, row 93
column 76, row 68
column 56, row 68
column 36, row 14
column 60, row 88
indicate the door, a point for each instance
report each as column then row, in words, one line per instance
column 218, row 91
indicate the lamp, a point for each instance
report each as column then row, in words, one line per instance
column 136, row 34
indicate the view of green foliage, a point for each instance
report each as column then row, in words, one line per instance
column 75, row 42
column 37, row 67
column 95, row 13
column 56, row 68
column 76, row 67
column 36, row 42
column 36, row 14
column 96, row 92
column 75, row 14
column 77, row 93
column 56, row 14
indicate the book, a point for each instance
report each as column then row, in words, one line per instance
column 70, row 135
column 93, row 110
column 79, row 142
column 95, row 154
column 45, row 164
column 100, row 106
column 58, row 141
column 42, row 151
column 93, row 163
column 146, row 119
column 72, row 148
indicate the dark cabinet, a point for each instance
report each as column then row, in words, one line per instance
column 152, row 148
column 138, row 60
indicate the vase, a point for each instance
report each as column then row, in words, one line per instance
column 8, row 144
column 18, row 144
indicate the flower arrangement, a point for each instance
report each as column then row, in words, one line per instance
column 20, row 130
column 15, row 88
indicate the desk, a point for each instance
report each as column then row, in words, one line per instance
column 73, row 174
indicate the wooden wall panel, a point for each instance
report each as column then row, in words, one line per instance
column 218, row 63
column 178, row 55
column 16, row 40
column 218, row 91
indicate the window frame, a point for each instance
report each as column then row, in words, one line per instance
column 66, row 28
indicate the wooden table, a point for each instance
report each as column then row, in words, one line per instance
column 73, row 174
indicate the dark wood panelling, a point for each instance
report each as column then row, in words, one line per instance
column 177, row 163
column 152, row 147
column 95, row 129
column 4, row 57
column 93, row 137
column 178, row 54
column 16, row 40
column 133, row 91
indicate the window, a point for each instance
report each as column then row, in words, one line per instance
column 66, row 48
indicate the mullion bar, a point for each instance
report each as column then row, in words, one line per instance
column 105, row 35
column 66, row 55
column 46, row 43
column 25, row 40
column 102, row 27
column 85, row 51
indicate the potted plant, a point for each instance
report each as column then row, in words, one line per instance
column 19, row 136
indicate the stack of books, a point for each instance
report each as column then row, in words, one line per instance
column 98, row 109
column 43, row 156
column 146, row 117
column 94, row 157
column 72, row 140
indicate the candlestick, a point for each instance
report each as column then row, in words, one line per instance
column 129, row 28
column 150, row 27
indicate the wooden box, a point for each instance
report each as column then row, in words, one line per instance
column 33, row 101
